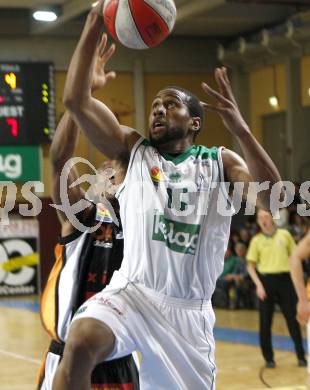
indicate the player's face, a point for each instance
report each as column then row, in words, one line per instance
column 240, row 251
column 169, row 119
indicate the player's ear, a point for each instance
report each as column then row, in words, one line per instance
column 196, row 123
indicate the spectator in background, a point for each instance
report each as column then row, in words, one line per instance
column 244, row 236
column 298, row 227
column 251, row 227
column 233, row 288
column 234, row 238
column 242, row 282
column 269, row 251
column 225, row 281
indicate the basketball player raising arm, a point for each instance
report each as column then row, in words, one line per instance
column 159, row 242
column 301, row 252
column 112, row 139
column 66, row 139
column 99, row 123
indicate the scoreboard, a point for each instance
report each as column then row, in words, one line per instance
column 27, row 103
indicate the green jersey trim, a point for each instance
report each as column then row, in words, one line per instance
column 146, row 142
column 196, row 151
column 205, row 153
column 191, row 151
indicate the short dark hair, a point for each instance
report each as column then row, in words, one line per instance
column 193, row 104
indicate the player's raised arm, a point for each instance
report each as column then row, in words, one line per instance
column 62, row 149
column 258, row 166
column 63, row 146
column 94, row 117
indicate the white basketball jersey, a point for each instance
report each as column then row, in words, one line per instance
column 174, row 235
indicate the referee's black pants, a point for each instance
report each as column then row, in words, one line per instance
column 279, row 289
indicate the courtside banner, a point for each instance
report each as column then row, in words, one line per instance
column 19, row 258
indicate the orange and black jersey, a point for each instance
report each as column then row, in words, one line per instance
column 84, row 265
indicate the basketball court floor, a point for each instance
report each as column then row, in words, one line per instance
column 23, row 341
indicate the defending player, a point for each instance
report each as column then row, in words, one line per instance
column 175, row 237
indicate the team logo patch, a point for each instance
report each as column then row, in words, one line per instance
column 103, row 214
column 156, row 175
column 179, row 237
column 175, row 177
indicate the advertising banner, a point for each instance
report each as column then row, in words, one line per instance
column 19, row 257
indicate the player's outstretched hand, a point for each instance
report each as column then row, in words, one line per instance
column 226, row 105
column 103, row 55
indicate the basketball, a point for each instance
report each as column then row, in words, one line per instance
column 139, row 24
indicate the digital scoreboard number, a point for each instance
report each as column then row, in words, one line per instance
column 27, row 103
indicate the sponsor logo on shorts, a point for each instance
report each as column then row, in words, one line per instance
column 107, row 302
column 179, row 237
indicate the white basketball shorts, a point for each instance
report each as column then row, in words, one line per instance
column 174, row 336
column 51, row 364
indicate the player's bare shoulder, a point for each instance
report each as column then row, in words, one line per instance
column 232, row 159
column 235, row 168
column 131, row 135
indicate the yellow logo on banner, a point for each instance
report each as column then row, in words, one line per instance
column 18, row 262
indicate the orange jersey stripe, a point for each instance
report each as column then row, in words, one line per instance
column 50, row 296
column 41, row 372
